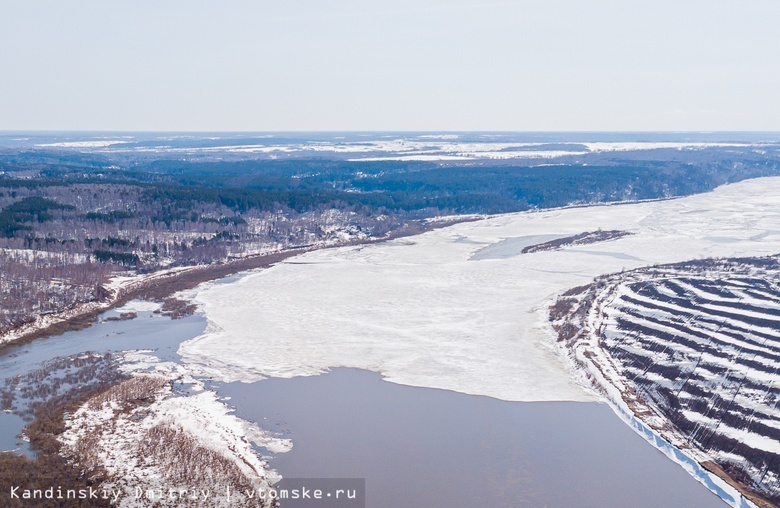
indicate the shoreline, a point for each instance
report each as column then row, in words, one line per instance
column 155, row 286
column 160, row 285
column 163, row 284
column 576, row 318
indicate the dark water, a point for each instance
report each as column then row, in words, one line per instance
column 421, row 447
column 147, row 331
column 511, row 247
column 415, row 447
column 11, row 427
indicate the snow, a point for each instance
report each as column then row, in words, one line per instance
column 30, row 255
column 433, row 147
column 720, row 366
column 139, row 306
column 83, row 144
column 114, row 433
column 475, row 154
column 410, row 158
column 687, row 458
column 743, row 436
column 643, row 145
column 421, row 313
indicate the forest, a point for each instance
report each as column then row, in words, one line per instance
column 69, row 221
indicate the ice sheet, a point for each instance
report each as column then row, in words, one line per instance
column 420, row 312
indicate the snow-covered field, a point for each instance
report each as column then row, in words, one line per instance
column 426, row 311
column 444, row 150
column 392, row 146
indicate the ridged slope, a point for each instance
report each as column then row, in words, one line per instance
column 697, row 344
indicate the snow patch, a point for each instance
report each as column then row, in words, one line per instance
column 139, row 306
column 117, row 438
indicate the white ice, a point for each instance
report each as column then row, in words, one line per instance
column 139, row 306
column 421, row 313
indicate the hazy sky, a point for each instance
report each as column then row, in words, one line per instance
column 389, row 65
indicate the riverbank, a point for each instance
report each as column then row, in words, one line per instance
column 159, row 286
column 351, row 423
column 431, row 312
column 160, row 429
column 126, row 422
column 77, row 424
column 644, row 339
column 434, row 312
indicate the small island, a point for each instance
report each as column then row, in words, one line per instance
column 585, row 238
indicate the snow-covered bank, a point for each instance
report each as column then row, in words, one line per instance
column 117, row 288
column 424, row 311
column 683, row 457
column 150, row 437
column 686, row 354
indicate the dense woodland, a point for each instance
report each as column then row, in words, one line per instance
column 70, row 220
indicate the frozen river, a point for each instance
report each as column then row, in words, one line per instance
column 461, row 308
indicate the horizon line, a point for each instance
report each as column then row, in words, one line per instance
column 348, row 131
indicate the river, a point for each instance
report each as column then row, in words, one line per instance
column 414, row 446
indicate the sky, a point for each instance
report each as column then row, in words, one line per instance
column 339, row 65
